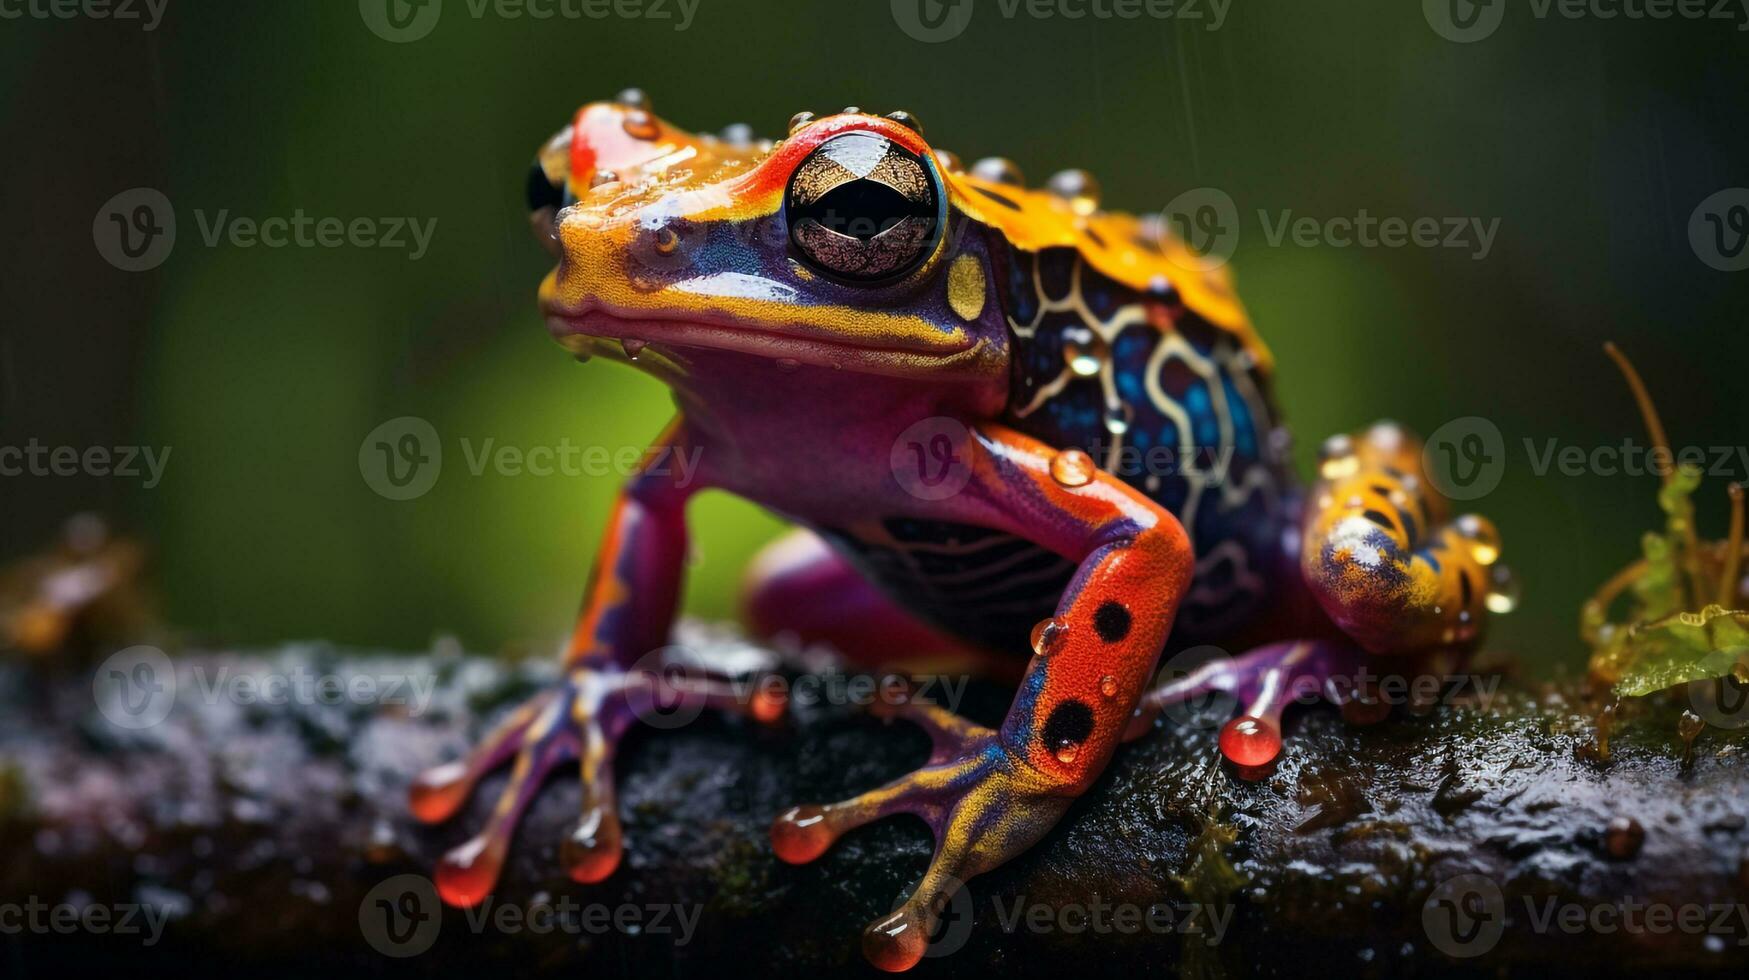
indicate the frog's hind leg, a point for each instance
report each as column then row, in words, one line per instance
column 1389, row 571
column 802, row 589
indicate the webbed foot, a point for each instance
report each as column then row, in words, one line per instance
column 582, row 718
column 984, row 804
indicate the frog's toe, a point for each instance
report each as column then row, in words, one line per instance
column 465, row 875
column 984, row 804
column 1265, row 680
column 581, row 718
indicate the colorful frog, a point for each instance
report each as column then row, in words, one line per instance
column 1007, row 422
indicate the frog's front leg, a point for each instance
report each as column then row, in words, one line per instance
column 990, row 794
column 627, row 612
column 1390, row 571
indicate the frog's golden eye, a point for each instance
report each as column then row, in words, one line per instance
column 863, row 209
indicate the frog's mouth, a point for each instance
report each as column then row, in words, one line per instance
column 895, row 353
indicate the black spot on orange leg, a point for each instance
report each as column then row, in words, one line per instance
column 989, row 795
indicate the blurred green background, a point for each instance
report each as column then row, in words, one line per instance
column 1591, row 140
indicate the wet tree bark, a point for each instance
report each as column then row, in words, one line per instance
column 1474, row 840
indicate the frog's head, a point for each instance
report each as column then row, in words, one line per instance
column 837, row 247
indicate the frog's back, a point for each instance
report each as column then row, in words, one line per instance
column 1178, row 407
column 1121, row 346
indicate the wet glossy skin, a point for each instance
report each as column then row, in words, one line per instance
column 938, row 374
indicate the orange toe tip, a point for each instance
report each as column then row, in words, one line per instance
column 897, row 943
column 1250, row 742
column 437, row 793
column 465, row 876
column 592, row 851
column 801, row 834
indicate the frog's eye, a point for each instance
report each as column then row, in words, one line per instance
column 863, row 209
column 542, row 192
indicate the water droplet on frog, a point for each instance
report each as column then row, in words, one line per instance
column 738, row 135
column 641, row 125
column 906, row 120
column 603, row 177
column 1083, row 351
column 999, row 170
column 633, row 98
column 633, row 346
column 1078, row 188
column 1337, row 459
column 1483, row 539
column 1108, row 686
column 1117, row 419
column 799, row 120
column 788, row 364
column 1047, row 633
column 851, row 110
column 949, row 161
column 1503, row 590
column 1067, row 751
column 1072, row 468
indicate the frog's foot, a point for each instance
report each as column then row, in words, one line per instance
column 580, row 719
column 984, row 803
column 1266, row 680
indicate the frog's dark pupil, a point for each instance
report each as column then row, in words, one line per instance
column 863, row 209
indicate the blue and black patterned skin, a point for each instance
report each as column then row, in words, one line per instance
column 1154, row 394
